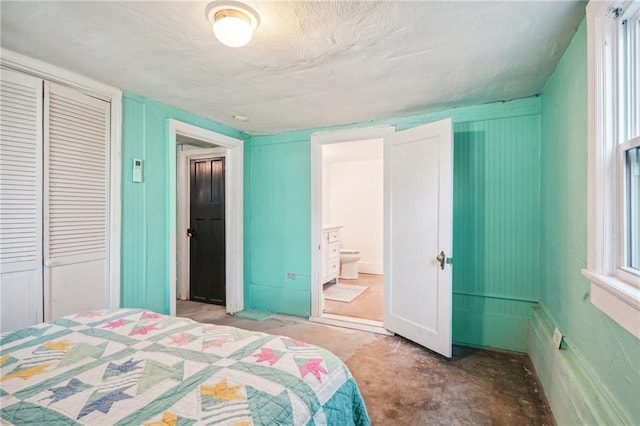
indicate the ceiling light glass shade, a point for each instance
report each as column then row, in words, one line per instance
column 233, row 22
column 232, row 31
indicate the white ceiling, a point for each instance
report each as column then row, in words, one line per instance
column 311, row 63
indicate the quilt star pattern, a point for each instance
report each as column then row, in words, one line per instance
column 130, row 366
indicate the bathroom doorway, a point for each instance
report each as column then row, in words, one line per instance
column 348, row 202
column 352, row 205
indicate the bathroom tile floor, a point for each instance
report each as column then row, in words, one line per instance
column 368, row 305
column 404, row 384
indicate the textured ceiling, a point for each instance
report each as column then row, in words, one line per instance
column 310, row 64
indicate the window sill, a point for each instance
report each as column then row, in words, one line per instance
column 616, row 298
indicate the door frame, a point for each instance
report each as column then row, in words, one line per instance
column 234, row 150
column 113, row 95
column 183, row 248
column 318, row 139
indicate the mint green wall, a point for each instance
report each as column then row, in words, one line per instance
column 496, row 228
column 601, row 347
column 496, row 222
column 277, row 225
column 148, row 207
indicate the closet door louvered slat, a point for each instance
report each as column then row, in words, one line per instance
column 20, row 200
column 76, row 201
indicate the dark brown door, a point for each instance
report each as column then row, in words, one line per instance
column 207, row 258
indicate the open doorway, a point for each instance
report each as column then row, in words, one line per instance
column 221, row 155
column 417, row 199
column 347, row 228
column 352, row 233
column 202, row 199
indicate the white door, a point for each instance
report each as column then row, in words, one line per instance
column 76, row 201
column 418, row 198
column 20, row 200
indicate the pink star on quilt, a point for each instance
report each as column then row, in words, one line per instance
column 115, row 324
column 150, row 315
column 180, row 339
column 218, row 343
column 90, row 314
column 267, row 355
column 313, row 366
column 144, row 330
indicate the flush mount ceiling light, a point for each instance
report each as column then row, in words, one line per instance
column 233, row 22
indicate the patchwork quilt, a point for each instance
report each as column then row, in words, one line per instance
column 134, row 367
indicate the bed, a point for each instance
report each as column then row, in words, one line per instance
column 130, row 366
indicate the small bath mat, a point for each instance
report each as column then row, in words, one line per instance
column 344, row 292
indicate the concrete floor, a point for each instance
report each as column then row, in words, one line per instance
column 405, row 384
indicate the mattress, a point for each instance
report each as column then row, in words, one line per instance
column 132, row 366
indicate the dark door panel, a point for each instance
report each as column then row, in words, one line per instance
column 207, row 222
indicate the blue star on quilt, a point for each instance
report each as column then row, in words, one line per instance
column 62, row 392
column 125, row 367
column 105, row 402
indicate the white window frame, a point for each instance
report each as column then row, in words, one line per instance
column 615, row 289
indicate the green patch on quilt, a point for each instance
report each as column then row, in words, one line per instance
column 156, row 372
column 109, row 335
column 240, row 334
column 22, row 334
column 270, row 410
column 81, row 351
column 27, row 413
column 251, row 348
column 169, row 321
column 346, row 406
column 187, row 354
column 65, row 322
column 294, row 384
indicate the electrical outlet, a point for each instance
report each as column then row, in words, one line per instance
column 291, row 276
column 557, row 338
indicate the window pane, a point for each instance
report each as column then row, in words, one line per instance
column 633, row 201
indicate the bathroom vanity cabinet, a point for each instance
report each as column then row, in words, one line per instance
column 330, row 253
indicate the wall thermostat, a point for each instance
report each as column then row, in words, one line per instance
column 137, row 170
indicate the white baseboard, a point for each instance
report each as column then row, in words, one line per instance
column 374, row 268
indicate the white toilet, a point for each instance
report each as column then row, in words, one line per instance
column 349, row 264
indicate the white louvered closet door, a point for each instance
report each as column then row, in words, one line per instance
column 20, row 200
column 76, row 201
